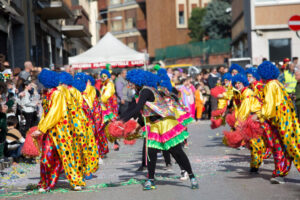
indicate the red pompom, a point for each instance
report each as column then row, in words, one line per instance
column 129, row 142
column 218, row 112
column 230, row 119
column 217, row 90
column 216, row 123
column 31, row 147
column 116, row 129
column 129, row 127
column 233, row 138
column 250, row 129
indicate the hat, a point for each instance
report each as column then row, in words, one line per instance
column 16, row 71
column 286, row 60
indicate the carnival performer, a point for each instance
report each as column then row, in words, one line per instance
column 234, row 69
column 249, row 105
column 83, row 135
column 108, row 100
column 93, row 109
column 224, row 95
column 279, row 111
column 162, row 130
column 58, row 149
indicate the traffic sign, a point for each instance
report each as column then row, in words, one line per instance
column 294, row 23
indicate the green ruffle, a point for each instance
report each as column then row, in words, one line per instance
column 188, row 121
column 108, row 117
column 171, row 143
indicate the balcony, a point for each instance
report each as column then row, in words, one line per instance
column 75, row 31
column 54, row 10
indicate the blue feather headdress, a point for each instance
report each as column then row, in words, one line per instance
column 268, row 71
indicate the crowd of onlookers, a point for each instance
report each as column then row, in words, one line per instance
column 21, row 91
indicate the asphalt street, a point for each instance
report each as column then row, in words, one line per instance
column 223, row 173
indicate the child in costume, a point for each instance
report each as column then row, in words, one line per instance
column 279, row 111
column 86, row 151
column 162, row 130
column 199, row 102
column 187, row 96
column 58, row 149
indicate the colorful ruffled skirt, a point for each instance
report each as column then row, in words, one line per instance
column 164, row 133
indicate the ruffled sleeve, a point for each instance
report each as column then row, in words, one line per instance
column 272, row 93
column 249, row 104
column 58, row 107
column 109, row 91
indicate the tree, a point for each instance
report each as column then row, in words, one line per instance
column 217, row 22
column 195, row 24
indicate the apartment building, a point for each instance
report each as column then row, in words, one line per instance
column 46, row 32
column 260, row 29
column 146, row 25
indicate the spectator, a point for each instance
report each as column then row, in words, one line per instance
column 212, row 82
column 297, row 75
column 206, row 97
column 170, row 73
column 113, row 77
column 14, row 139
column 25, row 74
column 124, row 93
column 290, row 81
column 221, row 70
column 295, row 61
column 3, row 127
column 199, row 102
column 28, row 101
column 7, row 71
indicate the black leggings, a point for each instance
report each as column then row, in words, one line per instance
column 31, row 119
column 177, row 153
column 166, row 155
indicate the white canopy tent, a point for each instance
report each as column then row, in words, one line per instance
column 108, row 50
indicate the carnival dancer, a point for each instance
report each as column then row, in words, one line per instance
column 249, row 105
column 162, row 130
column 234, row 69
column 93, row 95
column 58, row 149
column 224, row 95
column 86, row 151
column 279, row 111
column 109, row 100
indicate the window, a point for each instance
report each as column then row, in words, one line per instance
column 116, row 25
column 181, row 14
column 130, row 23
column 279, row 49
column 114, row 2
column 132, row 45
column 258, row 2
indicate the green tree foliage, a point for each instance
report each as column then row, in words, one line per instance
column 217, row 22
column 195, row 24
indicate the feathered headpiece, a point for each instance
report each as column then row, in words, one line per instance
column 240, row 78
column 156, row 67
column 91, row 79
column 49, row 79
column 65, row 78
column 268, row 71
column 105, row 71
column 80, row 80
column 253, row 71
column 227, row 76
column 164, row 79
column 237, row 68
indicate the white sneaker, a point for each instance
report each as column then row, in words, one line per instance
column 184, row 176
column 100, row 161
column 41, row 190
column 277, row 180
column 77, row 188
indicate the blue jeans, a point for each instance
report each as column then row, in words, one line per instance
column 15, row 153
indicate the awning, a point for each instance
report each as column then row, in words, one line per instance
column 55, row 10
column 75, row 31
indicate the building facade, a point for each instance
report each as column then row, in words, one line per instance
column 260, row 30
column 146, row 25
column 46, row 32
